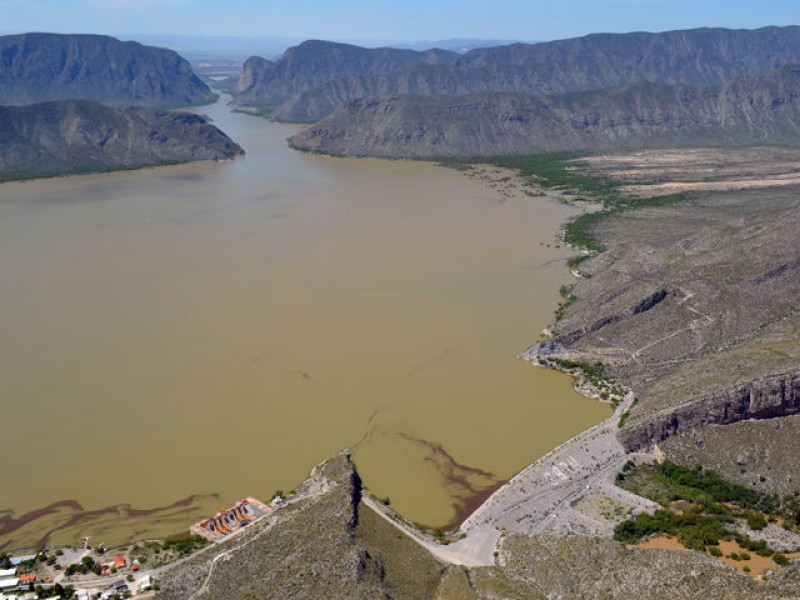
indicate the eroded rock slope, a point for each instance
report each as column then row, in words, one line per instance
column 77, row 136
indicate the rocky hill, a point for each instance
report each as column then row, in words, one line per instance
column 333, row 546
column 73, row 136
column 310, row 80
column 37, row 67
column 743, row 111
column 690, row 304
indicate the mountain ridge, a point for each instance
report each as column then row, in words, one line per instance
column 40, row 67
column 310, row 80
column 74, row 136
column 743, row 111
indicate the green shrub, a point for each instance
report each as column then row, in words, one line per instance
column 780, row 559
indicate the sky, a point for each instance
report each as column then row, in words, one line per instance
column 406, row 20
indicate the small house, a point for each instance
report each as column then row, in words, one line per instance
column 119, row 561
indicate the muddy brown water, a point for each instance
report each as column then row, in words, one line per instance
column 174, row 339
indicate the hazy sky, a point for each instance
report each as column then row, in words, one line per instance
column 389, row 20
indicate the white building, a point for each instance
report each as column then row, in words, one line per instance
column 145, row 583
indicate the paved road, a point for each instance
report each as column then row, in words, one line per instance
column 476, row 550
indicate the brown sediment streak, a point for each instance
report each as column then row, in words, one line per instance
column 367, row 430
column 471, row 494
column 467, row 505
column 451, row 470
column 185, row 502
column 8, row 524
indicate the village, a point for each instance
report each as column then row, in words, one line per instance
column 97, row 573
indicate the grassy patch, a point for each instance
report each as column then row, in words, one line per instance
column 709, row 505
column 185, row 545
column 578, row 232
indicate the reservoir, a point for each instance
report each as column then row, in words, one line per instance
column 174, row 339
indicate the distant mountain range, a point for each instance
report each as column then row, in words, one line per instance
column 310, row 80
column 460, row 45
column 695, row 87
column 37, row 67
column 52, row 120
column 79, row 135
column 743, row 111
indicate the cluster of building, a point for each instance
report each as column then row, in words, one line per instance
column 228, row 520
column 15, row 586
column 9, row 580
column 224, row 522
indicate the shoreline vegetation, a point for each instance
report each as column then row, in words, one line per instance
column 557, row 172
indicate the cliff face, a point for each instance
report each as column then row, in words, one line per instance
column 78, row 135
column 769, row 397
column 309, row 81
column 38, row 67
column 743, row 111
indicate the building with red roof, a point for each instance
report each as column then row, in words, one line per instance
column 119, row 561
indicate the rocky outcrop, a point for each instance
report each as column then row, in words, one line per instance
column 311, row 80
column 770, row 397
column 77, row 136
column 315, row 549
column 37, row 67
column 743, row 111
